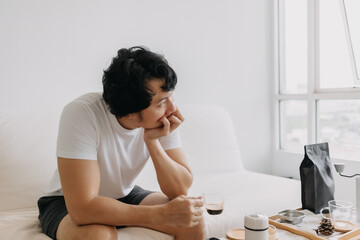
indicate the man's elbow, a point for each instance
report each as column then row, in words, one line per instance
column 77, row 219
column 174, row 194
column 79, row 215
column 185, row 186
column 181, row 189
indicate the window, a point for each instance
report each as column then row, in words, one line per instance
column 351, row 19
column 318, row 85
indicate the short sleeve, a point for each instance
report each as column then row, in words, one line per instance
column 172, row 141
column 77, row 137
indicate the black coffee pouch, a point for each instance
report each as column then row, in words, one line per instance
column 317, row 183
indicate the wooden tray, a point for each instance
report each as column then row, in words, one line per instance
column 239, row 234
column 352, row 235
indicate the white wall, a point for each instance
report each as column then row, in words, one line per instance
column 54, row 51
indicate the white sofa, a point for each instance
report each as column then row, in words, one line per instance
column 27, row 161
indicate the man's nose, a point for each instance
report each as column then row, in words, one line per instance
column 171, row 106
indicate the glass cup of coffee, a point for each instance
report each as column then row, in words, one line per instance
column 337, row 210
column 214, row 202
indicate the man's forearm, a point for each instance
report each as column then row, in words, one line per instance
column 174, row 179
column 108, row 211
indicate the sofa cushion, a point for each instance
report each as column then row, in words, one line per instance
column 27, row 155
column 209, row 140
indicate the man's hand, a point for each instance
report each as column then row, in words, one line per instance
column 170, row 123
column 182, row 211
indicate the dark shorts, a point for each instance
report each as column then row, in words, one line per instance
column 52, row 209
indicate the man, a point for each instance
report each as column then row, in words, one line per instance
column 104, row 142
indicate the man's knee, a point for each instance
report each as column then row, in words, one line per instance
column 68, row 230
column 100, row 232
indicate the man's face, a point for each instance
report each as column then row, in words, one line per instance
column 161, row 105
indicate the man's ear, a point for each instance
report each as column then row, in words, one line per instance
column 131, row 116
column 130, row 121
column 134, row 117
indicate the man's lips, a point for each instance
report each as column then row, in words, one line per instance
column 159, row 123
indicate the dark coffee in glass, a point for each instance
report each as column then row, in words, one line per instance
column 214, row 209
column 214, row 202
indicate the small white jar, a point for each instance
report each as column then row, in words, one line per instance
column 256, row 227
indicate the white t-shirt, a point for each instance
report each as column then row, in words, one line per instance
column 88, row 130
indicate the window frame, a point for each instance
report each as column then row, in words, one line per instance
column 344, row 14
column 314, row 92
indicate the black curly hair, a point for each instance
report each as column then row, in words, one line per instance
column 125, row 82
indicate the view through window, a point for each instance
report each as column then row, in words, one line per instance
column 351, row 18
column 319, row 96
